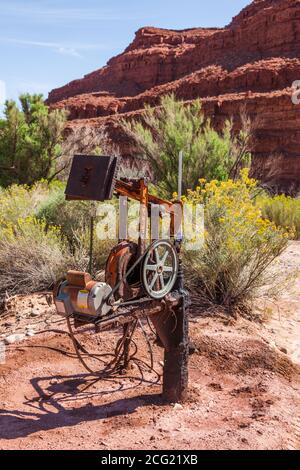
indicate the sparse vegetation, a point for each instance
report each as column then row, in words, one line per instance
column 42, row 235
column 31, row 257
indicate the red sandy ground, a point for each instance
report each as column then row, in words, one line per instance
column 244, row 394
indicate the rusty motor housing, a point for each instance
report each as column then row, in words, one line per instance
column 120, row 260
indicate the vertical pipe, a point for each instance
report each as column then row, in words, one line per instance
column 180, row 212
column 93, row 213
column 143, row 216
column 91, row 245
column 123, row 218
column 180, row 173
column 175, row 380
column 176, row 359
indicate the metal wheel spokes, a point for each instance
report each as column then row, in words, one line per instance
column 159, row 269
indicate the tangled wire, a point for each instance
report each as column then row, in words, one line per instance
column 124, row 353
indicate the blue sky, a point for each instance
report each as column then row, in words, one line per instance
column 47, row 43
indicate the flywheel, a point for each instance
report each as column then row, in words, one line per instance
column 159, row 269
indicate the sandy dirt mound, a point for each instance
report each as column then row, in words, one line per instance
column 243, row 394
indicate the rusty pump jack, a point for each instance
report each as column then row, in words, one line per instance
column 140, row 280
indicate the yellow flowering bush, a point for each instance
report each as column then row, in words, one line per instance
column 42, row 236
column 239, row 243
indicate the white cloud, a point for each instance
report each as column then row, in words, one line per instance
column 68, row 51
column 72, row 50
column 2, row 92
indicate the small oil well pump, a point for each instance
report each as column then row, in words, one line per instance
column 142, row 279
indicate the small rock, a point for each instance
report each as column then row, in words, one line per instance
column 14, row 338
column 283, row 350
column 30, row 333
column 35, row 313
column 102, row 443
column 177, row 406
column 216, row 386
column 192, row 348
column 244, row 425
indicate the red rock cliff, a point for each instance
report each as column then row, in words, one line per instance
column 252, row 63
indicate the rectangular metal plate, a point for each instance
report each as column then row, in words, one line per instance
column 92, row 178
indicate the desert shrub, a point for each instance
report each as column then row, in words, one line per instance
column 283, row 210
column 174, row 126
column 21, row 201
column 42, row 236
column 101, row 248
column 73, row 219
column 68, row 215
column 240, row 244
column 32, row 257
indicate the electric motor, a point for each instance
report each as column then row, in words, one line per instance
column 80, row 296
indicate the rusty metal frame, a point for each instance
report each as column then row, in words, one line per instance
column 169, row 316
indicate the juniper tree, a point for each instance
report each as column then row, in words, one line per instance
column 30, row 138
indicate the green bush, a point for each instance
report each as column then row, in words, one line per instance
column 174, row 126
column 68, row 215
column 74, row 220
column 283, row 210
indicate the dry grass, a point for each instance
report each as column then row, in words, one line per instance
column 31, row 258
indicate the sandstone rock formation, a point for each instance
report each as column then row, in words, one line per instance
column 250, row 64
